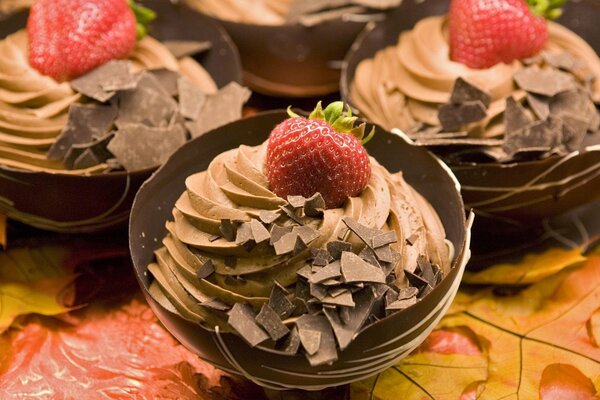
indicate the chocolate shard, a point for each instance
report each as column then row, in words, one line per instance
column 327, row 272
column 343, row 234
column 212, row 238
column 291, row 343
column 269, row 320
column 464, row 91
column 343, row 299
column 268, row 217
column 85, row 160
column 335, row 248
column 318, row 291
column 401, row 304
column 415, row 280
column 562, row 60
column 147, row 104
column 167, row 79
column 300, row 246
column 205, row 269
column 539, row 104
column 306, row 233
column 138, row 146
column 314, row 206
column 574, row 103
column 215, row 304
column 243, row 233
column 279, row 302
column 110, row 73
column 384, row 239
column 574, row 131
column 291, row 213
column 219, row 109
column 296, row 201
column 305, row 271
column 539, row 136
column 331, row 282
column 426, row 269
column 242, row 319
column 287, row 243
column 228, row 229
column 277, row 232
column 191, row 98
column 310, row 340
column 544, row 81
column 348, row 321
column 321, row 257
column 230, row 261
column 412, row 239
column 184, row 48
column 355, row 269
column 391, row 296
column 407, row 293
column 84, row 123
column 336, row 291
column 379, row 289
column 424, row 291
column 259, row 232
column 327, row 352
column 384, row 254
column 368, row 254
column 515, row 116
column 455, row 116
column 364, row 233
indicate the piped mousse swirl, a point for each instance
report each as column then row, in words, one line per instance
column 404, row 85
column 234, row 188
column 34, row 107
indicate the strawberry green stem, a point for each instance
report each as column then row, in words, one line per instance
column 549, row 9
column 143, row 16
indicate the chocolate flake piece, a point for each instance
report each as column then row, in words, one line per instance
column 348, row 321
column 90, row 84
column 269, row 320
column 412, row 239
column 327, row 272
column 342, row 299
column 268, row 217
column 365, row 234
column 300, row 246
column 539, row 104
column 138, row 146
column 335, row 248
column 228, row 229
column 318, row 291
column 454, row 116
column 407, row 293
column 213, row 238
column 391, row 296
column 574, row 130
column 544, row 81
column 286, row 244
column 425, row 290
column 343, row 233
column 384, row 239
column 184, row 48
column 259, row 232
column 296, row 201
column 241, row 318
column 331, row 282
column 306, row 233
column 291, row 214
column 279, row 302
column 310, row 340
column 562, row 60
column 355, row 269
column 515, row 117
column 243, row 234
column 426, row 269
column 291, row 343
column 167, row 79
column 336, row 291
column 205, row 269
column 215, row 304
column 369, row 256
column 191, row 98
column 230, row 261
column 219, row 109
column 463, row 92
column 384, row 254
column 327, row 352
column 379, row 289
column 321, row 257
column 415, row 280
column 85, row 160
column 539, row 136
column 314, row 206
column 402, row 304
column 84, row 123
column 277, row 232
column 306, row 272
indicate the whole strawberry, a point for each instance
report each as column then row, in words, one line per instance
column 484, row 33
column 68, row 38
column 318, row 154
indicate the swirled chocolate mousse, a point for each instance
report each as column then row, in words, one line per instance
column 299, row 243
column 74, row 105
column 279, row 12
column 511, row 96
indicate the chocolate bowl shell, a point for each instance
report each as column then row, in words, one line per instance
column 378, row 346
column 65, row 203
column 511, row 196
column 293, row 60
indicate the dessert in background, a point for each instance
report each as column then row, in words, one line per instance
column 499, row 85
column 109, row 97
column 278, row 12
column 299, row 243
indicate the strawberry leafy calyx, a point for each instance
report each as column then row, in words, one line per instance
column 549, row 9
column 340, row 121
column 143, row 17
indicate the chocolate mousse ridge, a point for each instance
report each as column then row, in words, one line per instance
column 411, row 87
column 289, row 275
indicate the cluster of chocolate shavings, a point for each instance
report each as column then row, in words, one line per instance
column 314, row 12
column 136, row 121
column 339, row 290
column 554, row 116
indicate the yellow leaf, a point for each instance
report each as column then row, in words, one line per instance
column 532, row 268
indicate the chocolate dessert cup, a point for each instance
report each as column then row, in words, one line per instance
column 512, row 196
column 87, row 203
column 375, row 348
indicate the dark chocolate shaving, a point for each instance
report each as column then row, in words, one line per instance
column 291, row 345
column 269, row 320
column 455, row 116
column 243, row 234
column 277, row 232
column 355, row 269
column 515, row 116
column 327, row 352
column 544, row 81
column 296, row 201
column 287, row 243
column 242, row 319
column 167, row 79
column 327, row 272
column 464, row 92
column 342, row 299
column 306, row 233
column 191, row 98
column 279, row 302
column 115, row 71
column 290, row 212
column 364, row 233
column 314, row 206
column 205, row 269
column 228, row 229
column 384, row 239
column 268, row 217
column 539, row 104
column 215, row 304
column 335, row 248
column 348, row 321
column 259, row 232
column 401, row 304
column 321, row 257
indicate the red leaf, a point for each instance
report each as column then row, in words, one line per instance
column 564, row 381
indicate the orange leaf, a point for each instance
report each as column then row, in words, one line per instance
column 563, row 381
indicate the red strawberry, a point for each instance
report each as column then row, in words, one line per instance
column 68, row 38
column 484, row 33
column 318, row 154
